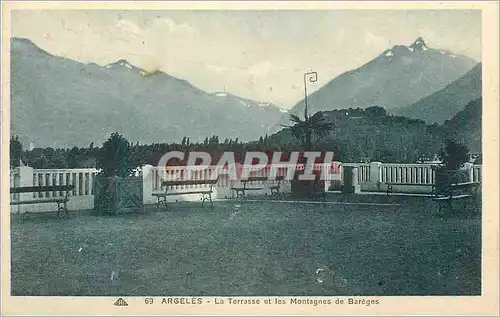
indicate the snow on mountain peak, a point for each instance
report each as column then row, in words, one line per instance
column 419, row 40
column 401, row 50
column 126, row 65
column 122, row 63
column 389, row 53
column 419, row 45
column 245, row 104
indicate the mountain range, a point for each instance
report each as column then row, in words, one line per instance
column 397, row 78
column 443, row 104
column 59, row 102
column 466, row 126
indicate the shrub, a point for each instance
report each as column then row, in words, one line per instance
column 454, row 155
column 15, row 152
column 113, row 157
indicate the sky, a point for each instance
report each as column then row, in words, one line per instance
column 261, row 55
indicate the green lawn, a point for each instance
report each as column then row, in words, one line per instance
column 251, row 248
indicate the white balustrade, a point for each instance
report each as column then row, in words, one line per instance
column 370, row 175
column 407, row 173
column 476, row 173
column 81, row 178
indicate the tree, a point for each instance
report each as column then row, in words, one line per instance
column 303, row 130
column 375, row 112
column 58, row 159
column 113, row 157
column 49, row 153
column 73, row 157
column 16, row 150
column 454, row 155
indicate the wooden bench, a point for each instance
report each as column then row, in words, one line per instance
column 455, row 192
column 390, row 186
column 240, row 191
column 60, row 200
column 206, row 192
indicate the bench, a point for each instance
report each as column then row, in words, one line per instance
column 206, row 192
column 390, row 186
column 455, row 192
column 240, row 190
column 61, row 201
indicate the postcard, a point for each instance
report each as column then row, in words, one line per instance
column 250, row 158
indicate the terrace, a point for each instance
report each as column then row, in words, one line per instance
column 395, row 246
column 371, row 178
column 367, row 244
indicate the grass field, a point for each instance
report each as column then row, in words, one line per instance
column 251, row 248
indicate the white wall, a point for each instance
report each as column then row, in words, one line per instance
column 371, row 177
column 80, row 199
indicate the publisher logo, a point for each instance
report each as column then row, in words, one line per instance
column 120, row 302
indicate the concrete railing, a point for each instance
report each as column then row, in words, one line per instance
column 81, row 179
column 371, row 176
column 153, row 176
column 476, row 173
column 364, row 171
column 81, row 197
column 407, row 173
column 423, row 174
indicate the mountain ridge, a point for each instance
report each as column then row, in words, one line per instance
column 59, row 102
column 398, row 77
column 445, row 103
column 466, row 126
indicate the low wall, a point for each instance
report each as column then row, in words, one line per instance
column 152, row 177
column 371, row 177
column 80, row 198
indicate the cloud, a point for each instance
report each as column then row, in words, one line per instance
column 173, row 27
column 376, row 41
column 155, row 30
column 260, row 68
column 217, row 69
column 129, row 27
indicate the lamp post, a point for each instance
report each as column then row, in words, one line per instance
column 312, row 77
column 305, row 188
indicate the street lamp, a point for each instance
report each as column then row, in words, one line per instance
column 312, row 77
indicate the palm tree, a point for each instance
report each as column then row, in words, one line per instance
column 304, row 129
